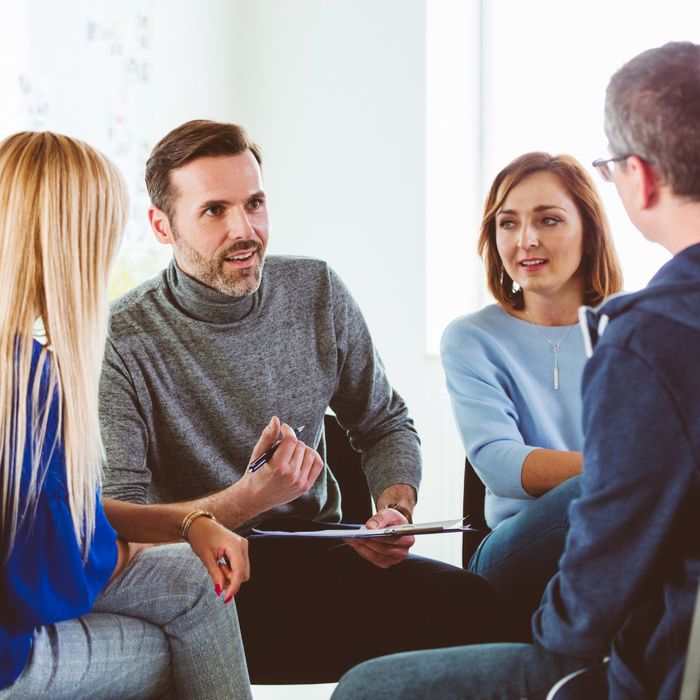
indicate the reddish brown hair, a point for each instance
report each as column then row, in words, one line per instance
column 600, row 265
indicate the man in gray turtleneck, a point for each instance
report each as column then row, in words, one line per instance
column 198, row 361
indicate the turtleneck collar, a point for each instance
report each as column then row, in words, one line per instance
column 204, row 303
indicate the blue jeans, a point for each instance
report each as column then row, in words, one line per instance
column 158, row 627
column 479, row 672
column 522, row 554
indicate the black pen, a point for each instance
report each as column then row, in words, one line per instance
column 265, row 456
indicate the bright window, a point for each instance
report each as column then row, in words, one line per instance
column 541, row 71
column 84, row 69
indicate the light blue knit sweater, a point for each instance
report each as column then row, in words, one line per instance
column 499, row 373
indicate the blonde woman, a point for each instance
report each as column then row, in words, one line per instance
column 156, row 622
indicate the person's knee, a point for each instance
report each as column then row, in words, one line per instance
column 572, row 486
column 199, row 582
column 182, row 571
column 367, row 681
column 569, row 490
column 551, row 511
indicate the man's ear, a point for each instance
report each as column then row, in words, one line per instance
column 160, row 225
column 645, row 181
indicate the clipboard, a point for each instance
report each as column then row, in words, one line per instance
column 347, row 531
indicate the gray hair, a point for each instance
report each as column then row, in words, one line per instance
column 652, row 110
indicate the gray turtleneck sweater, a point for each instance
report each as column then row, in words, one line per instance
column 192, row 376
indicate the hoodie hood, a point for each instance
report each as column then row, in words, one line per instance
column 673, row 292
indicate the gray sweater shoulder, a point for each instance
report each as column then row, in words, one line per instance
column 282, row 270
column 131, row 306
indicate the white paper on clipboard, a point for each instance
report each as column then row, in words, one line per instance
column 435, row 527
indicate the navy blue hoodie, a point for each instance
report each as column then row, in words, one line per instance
column 628, row 577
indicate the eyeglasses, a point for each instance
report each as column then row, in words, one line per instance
column 604, row 166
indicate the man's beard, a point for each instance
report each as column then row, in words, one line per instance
column 217, row 274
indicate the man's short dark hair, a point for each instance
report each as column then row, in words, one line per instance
column 652, row 110
column 194, row 139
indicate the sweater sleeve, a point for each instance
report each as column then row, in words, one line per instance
column 365, row 403
column 124, row 432
column 486, row 417
column 623, row 527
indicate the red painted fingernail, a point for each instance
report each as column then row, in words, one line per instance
column 217, row 589
column 228, row 600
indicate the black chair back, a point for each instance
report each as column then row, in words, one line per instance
column 346, row 465
column 474, row 494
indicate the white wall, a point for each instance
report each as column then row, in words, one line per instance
column 334, row 91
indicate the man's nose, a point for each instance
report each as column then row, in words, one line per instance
column 239, row 225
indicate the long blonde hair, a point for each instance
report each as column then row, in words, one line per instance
column 63, row 208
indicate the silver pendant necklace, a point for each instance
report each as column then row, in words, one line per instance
column 555, row 346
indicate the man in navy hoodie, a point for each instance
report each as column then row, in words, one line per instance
column 628, row 578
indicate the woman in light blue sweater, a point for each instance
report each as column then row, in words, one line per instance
column 514, row 368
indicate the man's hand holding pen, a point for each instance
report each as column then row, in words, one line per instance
column 290, row 472
column 283, row 468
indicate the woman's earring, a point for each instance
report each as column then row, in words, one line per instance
column 515, row 288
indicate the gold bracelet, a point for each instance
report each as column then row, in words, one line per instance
column 191, row 517
column 404, row 511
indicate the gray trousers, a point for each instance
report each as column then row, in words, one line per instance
column 157, row 629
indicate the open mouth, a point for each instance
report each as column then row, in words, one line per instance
column 242, row 258
column 532, row 263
